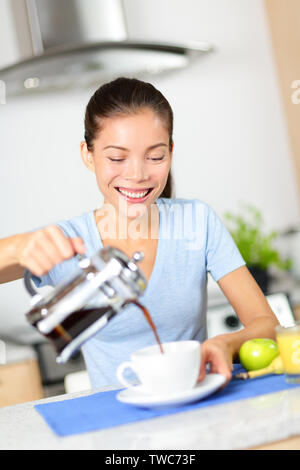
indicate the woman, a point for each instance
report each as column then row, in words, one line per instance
column 128, row 146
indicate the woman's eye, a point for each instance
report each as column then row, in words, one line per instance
column 153, row 159
column 157, row 159
column 116, row 159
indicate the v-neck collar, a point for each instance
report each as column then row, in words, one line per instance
column 160, row 251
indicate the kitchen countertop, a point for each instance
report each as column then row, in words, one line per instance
column 238, row 425
column 256, row 422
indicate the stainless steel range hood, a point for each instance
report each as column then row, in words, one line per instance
column 64, row 43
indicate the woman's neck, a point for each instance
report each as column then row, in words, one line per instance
column 115, row 225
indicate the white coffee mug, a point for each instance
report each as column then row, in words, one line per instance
column 176, row 370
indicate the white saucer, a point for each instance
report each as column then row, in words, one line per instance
column 136, row 396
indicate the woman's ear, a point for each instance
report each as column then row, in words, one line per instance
column 87, row 156
column 171, row 153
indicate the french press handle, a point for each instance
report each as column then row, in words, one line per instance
column 28, row 279
column 28, row 283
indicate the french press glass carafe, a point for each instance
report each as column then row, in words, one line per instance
column 109, row 280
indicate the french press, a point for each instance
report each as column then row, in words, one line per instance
column 109, row 280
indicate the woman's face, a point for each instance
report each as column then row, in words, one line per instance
column 131, row 160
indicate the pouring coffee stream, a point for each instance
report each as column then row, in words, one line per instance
column 151, row 324
column 110, row 278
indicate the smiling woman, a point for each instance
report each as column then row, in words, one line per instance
column 128, row 145
column 128, row 98
column 138, row 172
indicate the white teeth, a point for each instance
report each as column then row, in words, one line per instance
column 133, row 195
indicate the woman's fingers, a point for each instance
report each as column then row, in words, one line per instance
column 202, row 372
column 66, row 247
column 78, row 245
column 43, row 249
column 215, row 354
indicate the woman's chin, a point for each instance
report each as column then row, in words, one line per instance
column 133, row 212
column 134, row 209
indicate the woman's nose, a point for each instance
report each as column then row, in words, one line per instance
column 136, row 170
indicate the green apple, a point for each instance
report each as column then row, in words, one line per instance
column 258, row 353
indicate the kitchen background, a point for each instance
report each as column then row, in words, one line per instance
column 231, row 137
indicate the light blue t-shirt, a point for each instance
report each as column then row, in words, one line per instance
column 192, row 241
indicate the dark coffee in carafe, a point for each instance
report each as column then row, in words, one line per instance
column 65, row 317
column 80, row 320
column 73, row 325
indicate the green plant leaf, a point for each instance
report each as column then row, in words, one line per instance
column 255, row 246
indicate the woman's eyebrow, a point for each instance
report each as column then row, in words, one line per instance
column 114, row 147
column 123, row 148
column 157, row 145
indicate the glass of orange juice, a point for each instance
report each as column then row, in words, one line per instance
column 288, row 340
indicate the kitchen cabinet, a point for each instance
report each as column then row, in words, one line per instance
column 20, row 382
column 283, row 18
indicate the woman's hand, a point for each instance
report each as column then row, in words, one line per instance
column 219, row 354
column 41, row 250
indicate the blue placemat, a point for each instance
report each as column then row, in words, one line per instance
column 102, row 410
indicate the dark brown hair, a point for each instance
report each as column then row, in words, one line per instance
column 127, row 96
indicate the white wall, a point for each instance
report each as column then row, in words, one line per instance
column 230, row 137
column 230, row 134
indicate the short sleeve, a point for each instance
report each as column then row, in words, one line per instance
column 222, row 254
column 42, row 280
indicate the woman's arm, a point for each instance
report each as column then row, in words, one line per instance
column 253, row 310
column 10, row 268
column 38, row 251
column 250, row 305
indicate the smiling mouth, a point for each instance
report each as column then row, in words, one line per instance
column 134, row 193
